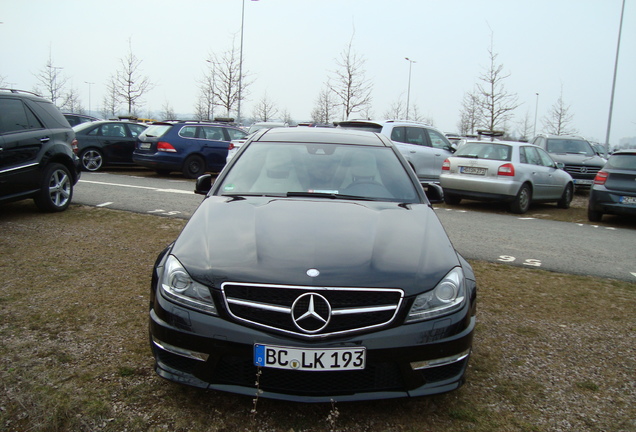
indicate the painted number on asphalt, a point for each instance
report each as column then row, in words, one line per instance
column 528, row 262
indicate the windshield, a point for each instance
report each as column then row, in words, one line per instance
column 485, row 150
column 570, row 146
column 326, row 170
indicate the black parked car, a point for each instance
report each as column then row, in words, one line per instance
column 75, row 119
column 316, row 268
column 614, row 189
column 579, row 158
column 37, row 152
column 190, row 147
column 102, row 143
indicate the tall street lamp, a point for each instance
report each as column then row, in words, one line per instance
column 89, row 95
column 408, row 93
column 536, row 110
column 240, row 83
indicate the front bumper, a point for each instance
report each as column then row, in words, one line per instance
column 417, row 359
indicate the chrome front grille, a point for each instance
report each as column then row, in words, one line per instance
column 582, row 171
column 311, row 312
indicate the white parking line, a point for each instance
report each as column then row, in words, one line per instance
column 104, row 204
column 140, row 187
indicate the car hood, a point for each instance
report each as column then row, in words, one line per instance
column 351, row 243
column 578, row 159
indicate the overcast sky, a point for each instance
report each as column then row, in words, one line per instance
column 291, row 47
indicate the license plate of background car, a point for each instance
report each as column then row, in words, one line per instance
column 308, row 359
column 144, row 145
column 628, row 200
column 472, row 170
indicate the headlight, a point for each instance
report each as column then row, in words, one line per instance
column 177, row 285
column 448, row 296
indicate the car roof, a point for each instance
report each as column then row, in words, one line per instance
column 509, row 143
column 323, row 136
column 384, row 122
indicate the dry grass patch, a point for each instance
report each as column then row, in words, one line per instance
column 552, row 352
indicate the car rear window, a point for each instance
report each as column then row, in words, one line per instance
column 485, row 150
column 156, row 131
column 622, row 162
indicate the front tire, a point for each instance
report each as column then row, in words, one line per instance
column 566, row 198
column 193, row 167
column 521, row 203
column 56, row 190
column 92, row 160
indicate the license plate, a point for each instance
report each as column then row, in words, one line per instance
column 628, row 200
column 144, row 145
column 583, row 182
column 307, row 359
column 472, row 170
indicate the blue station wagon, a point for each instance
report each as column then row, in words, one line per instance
column 192, row 148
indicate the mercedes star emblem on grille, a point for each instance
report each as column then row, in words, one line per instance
column 311, row 312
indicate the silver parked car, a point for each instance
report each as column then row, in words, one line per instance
column 518, row 173
column 424, row 147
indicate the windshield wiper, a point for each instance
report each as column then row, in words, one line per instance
column 330, row 195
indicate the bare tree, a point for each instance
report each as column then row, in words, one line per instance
column 558, row 120
column 53, row 81
column 204, row 109
column 167, row 112
column 323, row 111
column 111, row 99
column 226, row 78
column 265, row 110
column 349, row 83
column 130, row 85
column 525, row 128
column 469, row 114
column 495, row 103
column 397, row 110
column 72, row 102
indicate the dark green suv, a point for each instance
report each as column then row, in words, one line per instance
column 37, row 152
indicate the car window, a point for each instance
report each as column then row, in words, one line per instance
column 571, row 146
column 437, row 139
column 622, row 162
column 415, row 135
column 279, row 168
column 14, row 116
column 546, row 160
column 398, row 134
column 136, row 129
column 213, row 133
column 154, row 131
column 532, row 156
column 236, row 134
column 188, row 132
column 485, row 150
column 113, row 130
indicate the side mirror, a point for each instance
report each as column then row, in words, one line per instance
column 434, row 193
column 203, row 184
column 560, row 165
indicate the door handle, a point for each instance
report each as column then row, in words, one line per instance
column 45, row 140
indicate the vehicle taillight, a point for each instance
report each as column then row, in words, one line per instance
column 506, row 170
column 165, row 147
column 601, row 178
column 230, row 147
column 446, row 165
column 74, row 145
